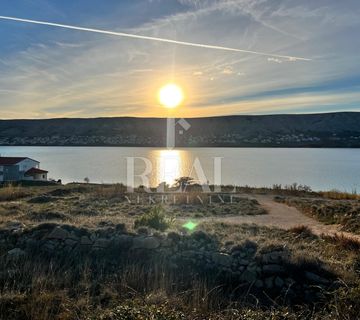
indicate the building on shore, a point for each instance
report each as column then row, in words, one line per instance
column 20, row 169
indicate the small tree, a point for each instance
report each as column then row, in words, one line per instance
column 86, row 180
column 183, row 182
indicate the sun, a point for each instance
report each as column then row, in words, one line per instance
column 171, row 96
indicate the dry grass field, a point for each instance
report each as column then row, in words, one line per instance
column 63, row 256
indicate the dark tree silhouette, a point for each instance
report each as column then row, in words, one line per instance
column 183, row 182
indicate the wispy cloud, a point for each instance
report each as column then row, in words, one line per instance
column 59, row 73
column 142, row 37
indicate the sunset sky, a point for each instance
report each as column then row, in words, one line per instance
column 48, row 72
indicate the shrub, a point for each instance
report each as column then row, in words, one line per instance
column 302, row 230
column 155, row 219
column 11, row 192
column 343, row 241
column 338, row 195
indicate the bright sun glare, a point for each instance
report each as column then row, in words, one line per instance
column 171, row 96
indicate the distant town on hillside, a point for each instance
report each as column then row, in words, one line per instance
column 306, row 130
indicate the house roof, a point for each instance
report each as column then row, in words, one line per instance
column 35, row 171
column 8, row 161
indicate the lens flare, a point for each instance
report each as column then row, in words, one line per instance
column 191, row 226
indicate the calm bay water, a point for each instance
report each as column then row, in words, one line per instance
column 322, row 169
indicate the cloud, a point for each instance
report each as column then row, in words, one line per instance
column 228, row 71
column 91, row 75
column 142, row 37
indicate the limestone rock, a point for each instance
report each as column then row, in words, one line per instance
column 222, row 259
column 85, row 241
column 259, row 284
column 273, row 269
column 50, row 246
column 16, row 253
column 315, row 278
column 70, row 242
column 274, row 257
column 269, row 282
column 249, row 276
column 243, row 262
column 15, row 227
column 279, row 282
column 123, row 241
column 102, row 243
column 58, row 233
column 146, row 243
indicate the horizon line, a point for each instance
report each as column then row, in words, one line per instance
column 217, row 116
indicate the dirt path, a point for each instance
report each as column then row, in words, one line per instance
column 285, row 217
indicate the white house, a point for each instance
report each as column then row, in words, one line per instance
column 21, row 168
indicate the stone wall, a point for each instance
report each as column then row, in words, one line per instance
column 272, row 271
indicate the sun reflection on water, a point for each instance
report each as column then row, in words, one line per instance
column 170, row 165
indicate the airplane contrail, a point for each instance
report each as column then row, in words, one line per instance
column 136, row 36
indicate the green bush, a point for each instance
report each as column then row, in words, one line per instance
column 155, row 219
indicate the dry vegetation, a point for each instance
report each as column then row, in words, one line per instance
column 94, row 289
column 338, row 195
column 91, row 205
column 343, row 212
column 97, row 288
column 11, row 192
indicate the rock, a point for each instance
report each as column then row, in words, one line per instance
column 31, row 244
column 274, row 257
column 146, row 243
column 120, row 227
column 143, row 231
column 123, row 241
column 259, row 284
column 236, row 253
column 279, row 199
column 42, row 199
column 279, row 282
column 58, row 233
column 15, row 227
column 289, row 281
column 243, row 262
column 269, row 282
column 241, row 268
column 315, row 278
column 249, row 276
column 252, row 267
column 85, row 241
column 102, row 243
column 70, row 242
column 16, row 253
column 173, row 236
column 50, row 246
column 74, row 237
column 222, row 259
column 166, row 243
column 273, row 269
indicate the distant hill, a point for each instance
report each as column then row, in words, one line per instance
column 340, row 129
